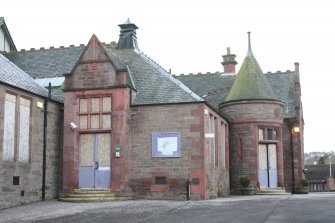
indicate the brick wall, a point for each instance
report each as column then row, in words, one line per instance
column 193, row 164
column 30, row 174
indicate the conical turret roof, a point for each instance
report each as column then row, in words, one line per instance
column 250, row 82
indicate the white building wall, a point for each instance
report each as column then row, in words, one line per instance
column 4, row 44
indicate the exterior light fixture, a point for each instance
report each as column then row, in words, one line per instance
column 39, row 105
column 296, row 129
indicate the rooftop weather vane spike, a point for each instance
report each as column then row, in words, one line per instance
column 249, row 46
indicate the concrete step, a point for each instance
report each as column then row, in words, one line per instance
column 90, row 199
column 93, row 191
column 91, row 195
column 272, row 191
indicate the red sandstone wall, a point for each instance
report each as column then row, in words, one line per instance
column 189, row 120
column 120, row 135
column 246, row 117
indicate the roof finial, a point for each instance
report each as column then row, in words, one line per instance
column 249, row 46
column 127, row 21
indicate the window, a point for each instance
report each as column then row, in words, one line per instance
column 24, row 130
column 95, row 113
column 9, row 128
column 160, row 180
column 213, row 138
column 267, row 134
column 223, row 146
column 22, row 124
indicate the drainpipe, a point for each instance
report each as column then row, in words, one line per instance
column 45, row 124
column 292, row 157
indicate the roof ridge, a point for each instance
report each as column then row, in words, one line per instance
column 51, row 48
column 280, row 72
column 218, row 91
column 199, row 73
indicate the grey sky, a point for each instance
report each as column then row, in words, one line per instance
column 191, row 37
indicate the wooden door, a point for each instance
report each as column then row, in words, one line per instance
column 267, row 165
column 94, row 163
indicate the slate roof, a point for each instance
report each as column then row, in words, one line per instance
column 250, row 82
column 46, row 62
column 214, row 87
column 153, row 84
column 12, row 75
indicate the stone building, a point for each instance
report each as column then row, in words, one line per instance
column 131, row 126
column 265, row 118
column 26, row 129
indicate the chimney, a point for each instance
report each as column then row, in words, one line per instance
column 229, row 62
column 296, row 67
column 128, row 39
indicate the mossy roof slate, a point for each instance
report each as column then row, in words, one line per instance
column 152, row 83
column 250, row 83
column 215, row 87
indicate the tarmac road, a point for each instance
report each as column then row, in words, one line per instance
column 314, row 207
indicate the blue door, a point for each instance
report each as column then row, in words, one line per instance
column 94, row 163
column 267, row 165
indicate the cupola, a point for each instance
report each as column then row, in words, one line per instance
column 128, row 39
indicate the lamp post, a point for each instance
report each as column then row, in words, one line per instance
column 330, row 165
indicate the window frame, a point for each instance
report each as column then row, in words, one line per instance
column 90, row 114
column 17, row 127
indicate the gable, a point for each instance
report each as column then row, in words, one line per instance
column 6, row 41
column 95, row 68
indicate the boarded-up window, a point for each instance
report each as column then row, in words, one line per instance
column 104, row 149
column 107, row 121
column 106, row 104
column 95, row 105
column 83, row 105
column 94, row 121
column 11, row 124
column 24, row 130
column 95, row 113
column 83, row 122
column 9, row 128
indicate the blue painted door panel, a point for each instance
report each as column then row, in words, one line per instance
column 94, row 164
column 262, row 166
column 267, row 165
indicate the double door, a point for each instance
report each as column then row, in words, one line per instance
column 94, row 163
column 267, row 165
